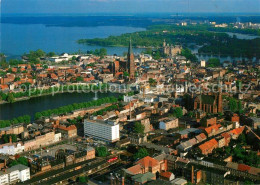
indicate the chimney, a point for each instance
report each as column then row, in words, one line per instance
column 192, row 174
column 123, row 181
column 10, row 139
column 111, row 179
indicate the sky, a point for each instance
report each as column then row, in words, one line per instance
column 129, row 6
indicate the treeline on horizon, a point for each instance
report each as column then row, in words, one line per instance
column 126, row 19
column 58, row 111
column 208, row 37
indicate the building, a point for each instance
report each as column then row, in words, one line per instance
column 131, row 62
column 209, row 103
column 202, row 63
column 143, row 178
column 104, row 130
column 14, row 174
column 145, row 165
column 68, row 132
column 167, row 176
column 207, row 147
column 167, row 123
column 171, row 50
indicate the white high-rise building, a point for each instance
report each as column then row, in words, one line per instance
column 104, row 130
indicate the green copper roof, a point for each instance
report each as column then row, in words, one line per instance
column 130, row 49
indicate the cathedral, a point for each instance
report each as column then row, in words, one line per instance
column 120, row 66
column 209, row 103
column 171, row 50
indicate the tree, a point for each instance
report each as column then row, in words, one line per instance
column 186, row 52
column 248, row 183
column 240, row 107
column 157, row 55
column 102, row 52
column 139, row 128
column 79, row 79
column 177, row 112
column 152, row 81
column 13, row 163
column 141, row 154
column 213, row 62
column 190, row 114
column 82, row 179
column 10, row 98
column 242, row 139
column 23, row 161
column 50, row 54
column 102, row 151
column 232, row 104
column 187, row 99
column 126, row 74
column 74, row 58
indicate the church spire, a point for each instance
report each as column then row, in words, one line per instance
column 130, row 49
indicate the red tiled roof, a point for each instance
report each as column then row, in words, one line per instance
column 208, row 145
column 243, row 167
column 237, row 131
column 71, row 127
column 135, row 169
column 166, row 174
column 148, row 162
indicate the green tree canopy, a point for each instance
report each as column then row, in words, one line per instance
column 10, row 98
column 102, row 151
column 232, row 104
column 177, row 112
column 141, row 153
column 213, row 62
column 139, row 128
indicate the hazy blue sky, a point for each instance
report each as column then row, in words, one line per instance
column 129, row 6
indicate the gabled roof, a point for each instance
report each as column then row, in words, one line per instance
column 137, row 169
column 237, row 131
column 148, row 162
column 143, row 178
column 166, row 174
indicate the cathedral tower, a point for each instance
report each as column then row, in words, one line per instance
column 131, row 61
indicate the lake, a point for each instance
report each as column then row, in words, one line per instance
column 17, row 39
column 38, row 104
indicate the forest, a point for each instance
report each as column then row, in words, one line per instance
column 209, row 38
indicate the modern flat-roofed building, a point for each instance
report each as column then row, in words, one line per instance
column 104, row 130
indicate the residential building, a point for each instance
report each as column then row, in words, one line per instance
column 169, row 123
column 14, row 174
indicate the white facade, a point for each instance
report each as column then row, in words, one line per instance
column 11, row 149
column 4, row 179
column 103, row 130
column 14, row 174
column 203, row 63
column 57, row 137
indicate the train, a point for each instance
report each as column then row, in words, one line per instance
column 112, row 159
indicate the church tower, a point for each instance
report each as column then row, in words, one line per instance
column 220, row 101
column 131, row 62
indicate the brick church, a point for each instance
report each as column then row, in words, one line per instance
column 210, row 103
column 125, row 66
